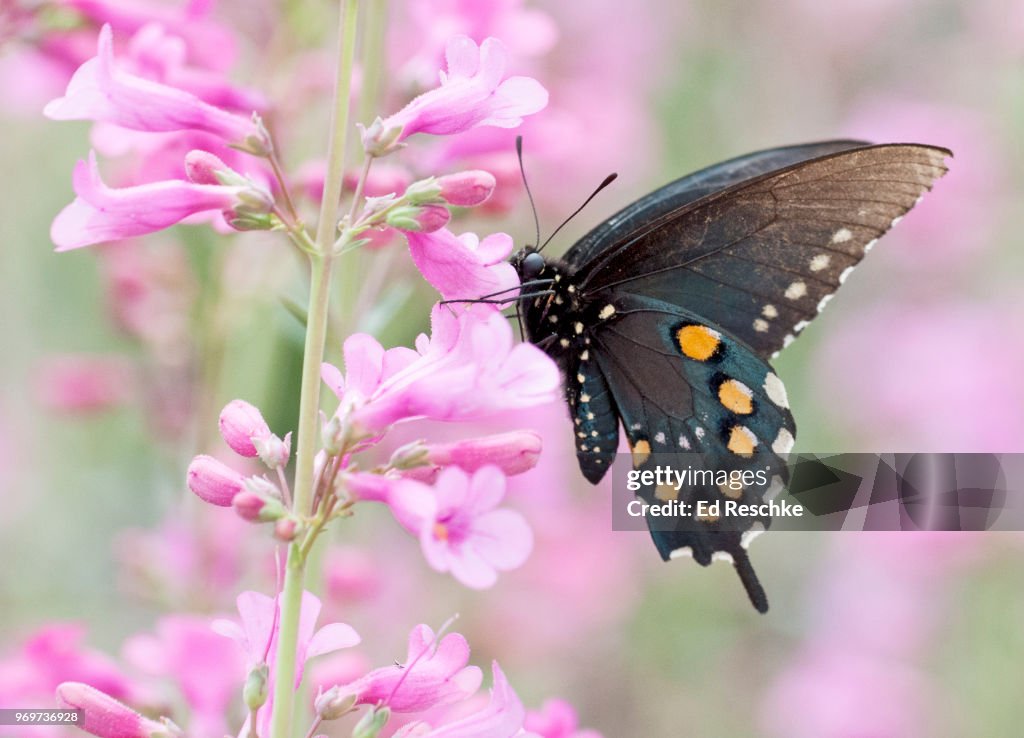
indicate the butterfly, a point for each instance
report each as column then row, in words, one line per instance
column 664, row 317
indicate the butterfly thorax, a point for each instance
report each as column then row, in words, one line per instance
column 559, row 318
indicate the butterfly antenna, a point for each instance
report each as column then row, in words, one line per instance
column 526, row 185
column 607, row 181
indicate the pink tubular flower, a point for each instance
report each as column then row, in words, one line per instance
column 214, row 481
column 502, row 718
column 434, row 674
column 419, row 218
column 240, row 425
column 105, row 717
column 514, row 452
column 474, row 92
column 467, row 370
column 99, row 91
column 459, row 527
column 100, row 213
column 467, row 189
column 464, row 266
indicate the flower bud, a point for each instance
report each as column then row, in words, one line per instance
column 254, row 693
column 105, row 717
column 422, row 219
column 256, row 508
column 214, row 481
column 380, row 140
column 286, row 529
column 205, row 168
column 514, row 452
column 372, row 723
column 273, row 451
column 467, row 189
column 409, row 456
column 241, row 424
column 334, row 703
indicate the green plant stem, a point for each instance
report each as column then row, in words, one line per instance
column 321, row 262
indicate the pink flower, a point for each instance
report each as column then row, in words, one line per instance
column 468, row 369
column 206, row 667
column 209, row 43
column 474, row 92
column 83, row 384
column 464, row 266
column 214, row 481
column 105, row 717
column 514, row 452
column 257, row 633
column 100, row 213
column 99, row 91
column 467, row 189
column 240, row 425
column 433, row 674
column 502, row 718
column 459, row 526
column 556, row 719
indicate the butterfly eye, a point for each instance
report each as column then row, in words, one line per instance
column 532, row 266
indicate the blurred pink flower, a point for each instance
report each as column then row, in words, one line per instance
column 99, row 91
column 474, row 92
column 214, row 481
column 100, row 213
column 155, row 54
column 926, row 376
column 464, row 266
column 434, row 673
column 459, row 526
column 77, row 383
column 106, row 717
column 469, row 368
column 420, row 34
column 501, row 718
column 210, row 44
column 205, row 666
column 556, row 719
column 53, row 654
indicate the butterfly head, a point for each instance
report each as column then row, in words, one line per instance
column 529, row 263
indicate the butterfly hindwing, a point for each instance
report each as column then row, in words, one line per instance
column 761, row 258
column 681, row 386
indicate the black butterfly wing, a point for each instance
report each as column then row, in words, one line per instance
column 679, row 385
column 760, row 259
column 692, row 187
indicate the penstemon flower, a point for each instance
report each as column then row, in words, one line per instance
column 99, row 91
column 191, row 145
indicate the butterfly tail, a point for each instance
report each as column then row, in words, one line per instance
column 749, row 579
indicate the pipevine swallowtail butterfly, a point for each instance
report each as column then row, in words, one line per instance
column 664, row 317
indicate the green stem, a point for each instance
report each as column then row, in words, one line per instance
column 321, row 262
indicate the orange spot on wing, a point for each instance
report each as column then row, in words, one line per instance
column 736, row 396
column 742, row 441
column 698, row 342
column 641, row 452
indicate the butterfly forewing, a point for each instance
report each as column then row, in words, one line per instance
column 761, row 258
